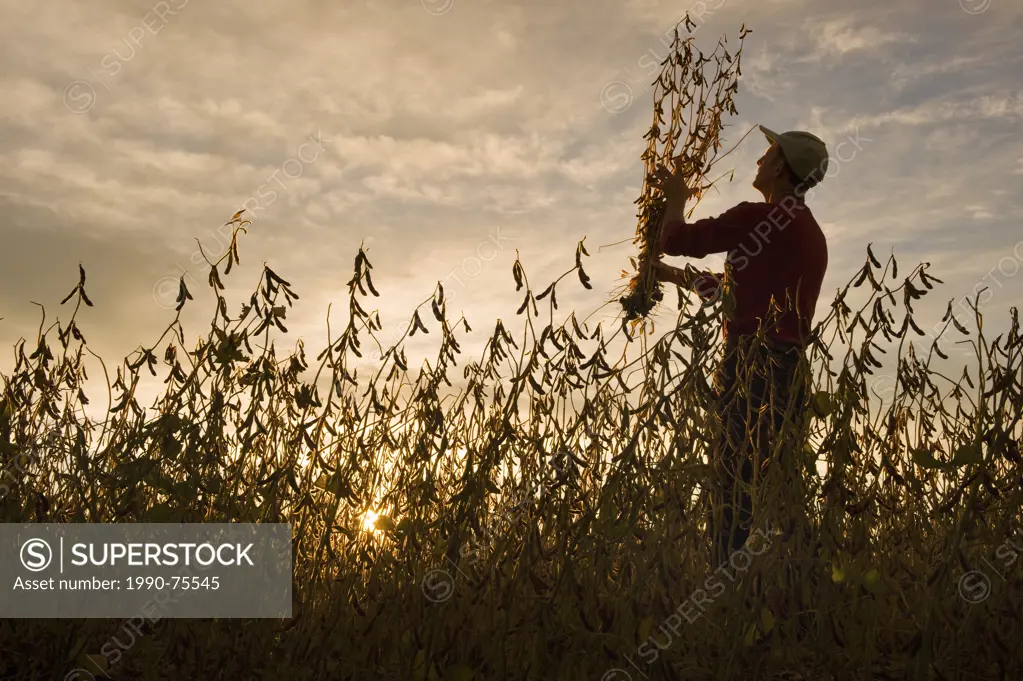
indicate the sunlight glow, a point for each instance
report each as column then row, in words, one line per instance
column 369, row 521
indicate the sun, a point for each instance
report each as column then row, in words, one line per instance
column 369, row 521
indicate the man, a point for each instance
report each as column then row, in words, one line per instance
column 777, row 256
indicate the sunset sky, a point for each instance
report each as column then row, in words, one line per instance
column 447, row 135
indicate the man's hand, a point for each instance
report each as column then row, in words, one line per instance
column 672, row 185
column 672, row 275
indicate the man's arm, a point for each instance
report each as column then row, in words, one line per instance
column 705, row 283
column 708, row 284
column 709, row 235
column 673, row 219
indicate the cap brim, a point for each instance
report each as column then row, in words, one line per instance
column 769, row 134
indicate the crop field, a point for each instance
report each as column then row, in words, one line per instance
column 545, row 518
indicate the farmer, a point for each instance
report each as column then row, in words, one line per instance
column 777, row 254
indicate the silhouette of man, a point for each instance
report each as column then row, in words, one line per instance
column 777, row 256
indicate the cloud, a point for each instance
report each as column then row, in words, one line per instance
column 766, row 75
column 839, row 37
column 903, row 74
column 945, row 110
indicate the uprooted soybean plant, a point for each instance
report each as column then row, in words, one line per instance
column 538, row 513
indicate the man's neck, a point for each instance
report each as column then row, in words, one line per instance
column 776, row 194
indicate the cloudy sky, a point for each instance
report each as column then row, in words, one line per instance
column 449, row 135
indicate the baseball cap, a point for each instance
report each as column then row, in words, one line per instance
column 806, row 154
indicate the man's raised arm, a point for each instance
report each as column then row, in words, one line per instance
column 710, row 235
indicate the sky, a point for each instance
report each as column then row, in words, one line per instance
column 450, row 136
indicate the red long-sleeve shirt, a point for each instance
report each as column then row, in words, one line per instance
column 773, row 249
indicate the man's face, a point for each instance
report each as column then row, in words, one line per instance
column 768, row 167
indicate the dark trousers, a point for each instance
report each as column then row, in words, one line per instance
column 762, row 392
